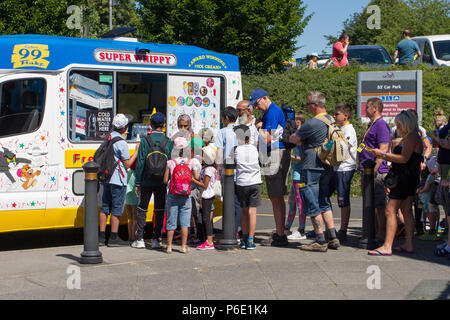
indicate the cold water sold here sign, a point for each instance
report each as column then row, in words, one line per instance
column 399, row 90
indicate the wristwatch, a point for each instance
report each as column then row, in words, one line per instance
column 384, row 155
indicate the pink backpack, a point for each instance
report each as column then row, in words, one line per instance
column 180, row 182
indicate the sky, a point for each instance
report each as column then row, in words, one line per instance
column 328, row 19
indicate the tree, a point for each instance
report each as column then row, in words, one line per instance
column 421, row 17
column 50, row 17
column 261, row 32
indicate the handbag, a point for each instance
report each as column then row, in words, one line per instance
column 392, row 179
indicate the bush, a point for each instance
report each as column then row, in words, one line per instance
column 339, row 85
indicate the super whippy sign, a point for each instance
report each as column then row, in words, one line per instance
column 131, row 57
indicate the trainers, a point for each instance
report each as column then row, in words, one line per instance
column 334, row 244
column 117, row 242
column 205, row 246
column 156, row 244
column 101, row 241
column 138, row 244
column 428, row 236
column 243, row 244
column 279, row 241
column 250, row 245
column 315, row 246
column 342, row 236
column 297, row 235
column 311, row 234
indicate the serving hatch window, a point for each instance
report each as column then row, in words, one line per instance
column 91, row 107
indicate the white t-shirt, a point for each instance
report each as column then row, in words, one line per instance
column 211, row 172
column 248, row 171
column 350, row 163
column 254, row 135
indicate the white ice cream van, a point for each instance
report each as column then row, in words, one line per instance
column 58, row 96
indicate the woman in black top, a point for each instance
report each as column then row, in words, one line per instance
column 406, row 159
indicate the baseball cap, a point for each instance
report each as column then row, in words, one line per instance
column 256, row 95
column 157, row 118
column 121, row 120
column 314, row 54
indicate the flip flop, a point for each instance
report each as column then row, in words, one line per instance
column 378, row 253
column 400, row 249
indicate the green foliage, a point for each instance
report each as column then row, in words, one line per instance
column 261, row 32
column 421, row 17
column 49, row 17
column 339, row 85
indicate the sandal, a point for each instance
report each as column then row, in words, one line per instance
column 441, row 252
column 169, row 249
column 185, row 249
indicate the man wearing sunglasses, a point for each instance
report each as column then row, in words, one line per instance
column 274, row 157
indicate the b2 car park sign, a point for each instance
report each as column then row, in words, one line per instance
column 399, row 90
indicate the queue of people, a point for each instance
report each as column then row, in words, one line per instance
column 184, row 173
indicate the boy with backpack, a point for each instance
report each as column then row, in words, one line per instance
column 179, row 205
column 153, row 155
column 114, row 178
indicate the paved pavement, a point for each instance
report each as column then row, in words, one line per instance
column 45, row 265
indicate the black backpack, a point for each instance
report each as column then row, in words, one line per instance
column 156, row 160
column 289, row 128
column 104, row 157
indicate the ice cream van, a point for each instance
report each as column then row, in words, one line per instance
column 58, row 96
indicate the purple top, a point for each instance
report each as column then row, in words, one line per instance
column 377, row 133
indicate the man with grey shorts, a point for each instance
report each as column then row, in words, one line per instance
column 276, row 158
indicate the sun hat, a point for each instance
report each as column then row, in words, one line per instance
column 121, row 120
column 180, row 143
column 209, row 155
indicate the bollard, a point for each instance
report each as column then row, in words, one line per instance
column 368, row 226
column 91, row 254
column 228, row 224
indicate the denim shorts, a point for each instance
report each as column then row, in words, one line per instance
column 178, row 206
column 343, row 183
column 113, row 199
column 316, row 191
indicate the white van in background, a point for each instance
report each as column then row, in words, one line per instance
column 435, row 49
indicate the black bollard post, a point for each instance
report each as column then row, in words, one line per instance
column 228, row 224
column 368, row 226
column 91, row 254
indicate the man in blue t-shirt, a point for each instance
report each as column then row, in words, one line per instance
column 275, row 158
column 406, row 50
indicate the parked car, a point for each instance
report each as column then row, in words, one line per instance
column 435, row 49
column 372, row 55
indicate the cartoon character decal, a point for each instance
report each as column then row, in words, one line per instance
column 27, row 176
column 6, row 157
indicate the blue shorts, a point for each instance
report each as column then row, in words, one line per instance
column 178, row 206
column 113, row 199
column 343, row 183
column 316, row 192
